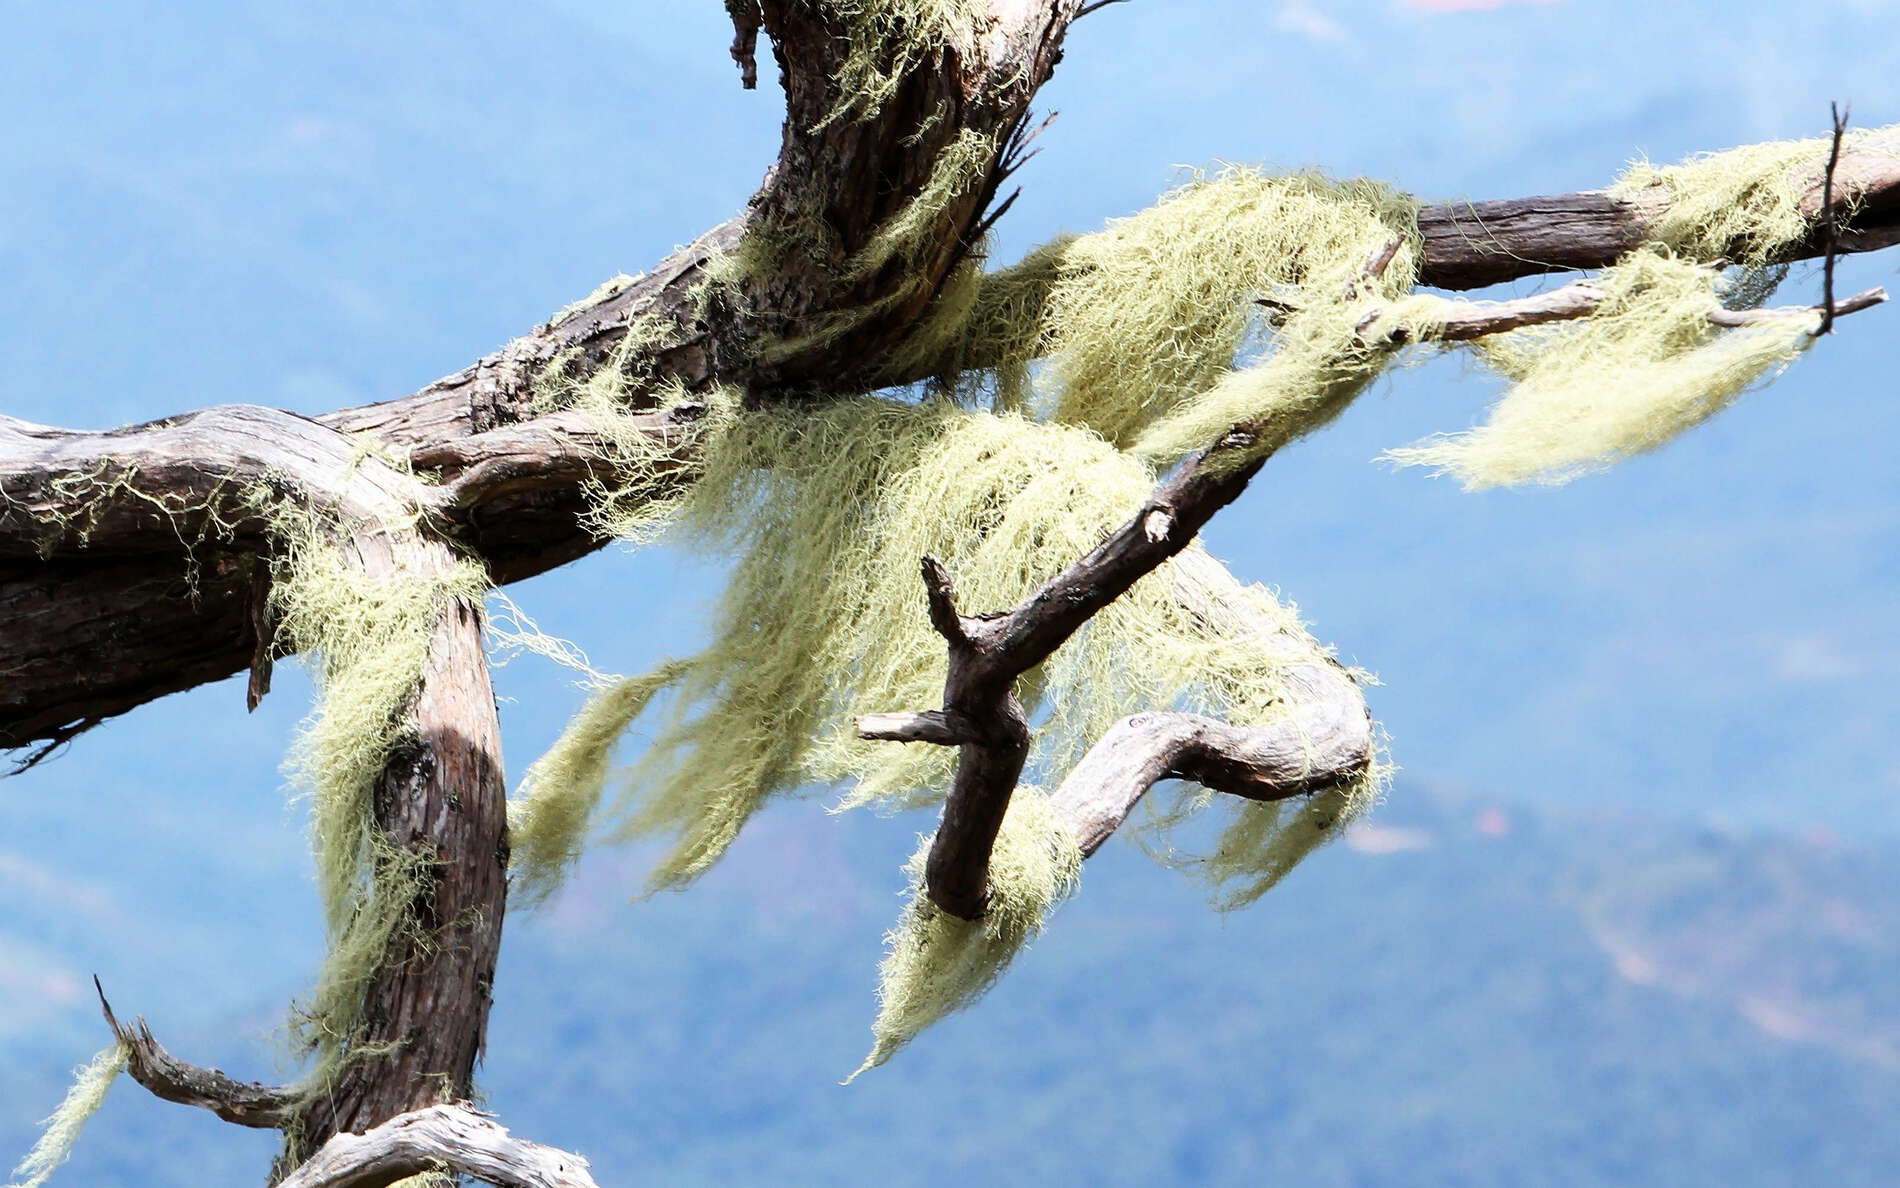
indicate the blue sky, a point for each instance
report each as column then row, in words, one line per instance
column 315, row 206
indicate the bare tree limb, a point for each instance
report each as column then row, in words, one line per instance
column 1464, row 321
column 451, row 1138
column 245, row 1103
column 941, row 727
column 1259, row 763
column 1831, row 220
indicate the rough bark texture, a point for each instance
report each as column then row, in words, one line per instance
column 425, row 1013
column 243, row 1103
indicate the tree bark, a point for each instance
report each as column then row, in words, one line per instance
column 442, row 795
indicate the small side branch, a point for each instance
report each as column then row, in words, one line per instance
column 245, row 1103
column 451, row 1138
column 1830, row 220
column 941, row 727
column 1259, row 763
column 1465, row 321
column 746, row 20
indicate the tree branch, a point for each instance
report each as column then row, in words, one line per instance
column 1464, row 321
column 451, row 1138
column 245, row 1103
column 90, row 633
column 1259, row 763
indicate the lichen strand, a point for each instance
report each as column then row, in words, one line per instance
column 368, row 638
column 60, row 1131
column 935, row 963
column 1145, row 318
column 547, row 822
column 1646, row 367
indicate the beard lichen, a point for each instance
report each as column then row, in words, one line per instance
column 1743, row 204
column 61, row 1129
column 1067, row 385
column 1647, row 366
column 935, row 963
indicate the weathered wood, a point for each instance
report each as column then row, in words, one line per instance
column 245, row 1103
column 92, row 633
column 1259, row 763
column 442, row 796
column 451, row 1138
column 1467, row 320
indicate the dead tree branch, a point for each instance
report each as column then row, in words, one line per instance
column 87, row 633
column 1259, row 763
column 448, row 1138
column 1465, row 321
column 245, row 1103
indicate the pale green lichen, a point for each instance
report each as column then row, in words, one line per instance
column 368, row 638
column 62, row 1128
column 1644, row 368
column 547, row 822
column 936, row 963
column 1744, row 204
column 1066, row 385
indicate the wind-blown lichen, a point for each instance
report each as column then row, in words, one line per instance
column 1647, row 366
column 62, row 1128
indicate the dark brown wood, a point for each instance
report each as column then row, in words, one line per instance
column 442, row 795
column 988, row 653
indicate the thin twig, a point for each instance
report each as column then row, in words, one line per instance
column 1831, row 220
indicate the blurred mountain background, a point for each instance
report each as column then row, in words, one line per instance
column 1628, row 916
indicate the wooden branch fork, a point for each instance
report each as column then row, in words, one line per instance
column 135, row 563
column 1326, row 742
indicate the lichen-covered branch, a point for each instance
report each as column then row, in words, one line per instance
column 138, row 631
column 441, row 1138
column 988, row 653
column 1258, row 763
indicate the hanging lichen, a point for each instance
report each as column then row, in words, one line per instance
column 936, row 963
column 1644, row 368
column 62, row 1128
column 1066, row 386
column 826, row 512
column 1261, row 842
column 368, row 638
column 546, row 829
